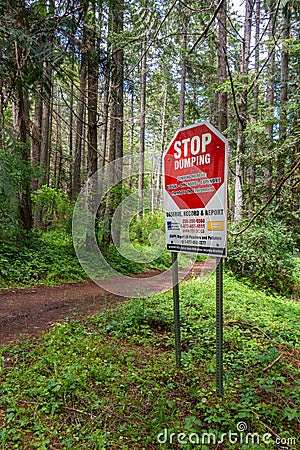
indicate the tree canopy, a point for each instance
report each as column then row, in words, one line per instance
column 85, row 82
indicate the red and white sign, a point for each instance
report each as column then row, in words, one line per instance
column 195, row 188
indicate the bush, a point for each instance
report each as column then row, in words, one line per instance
column 54, row 205
column 11, row 173
column 29, row 259
column 141, row 227
column 263, row 254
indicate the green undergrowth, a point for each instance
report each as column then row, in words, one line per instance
column 265, row 255
column 49, row 258
column 39, row 258
column 111, row 382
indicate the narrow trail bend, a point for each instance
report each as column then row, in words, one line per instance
column 31, row 311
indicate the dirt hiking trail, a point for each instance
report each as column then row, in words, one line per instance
column 31, row 311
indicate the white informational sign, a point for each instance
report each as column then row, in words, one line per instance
column 195, row 191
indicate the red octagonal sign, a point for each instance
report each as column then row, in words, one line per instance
column 194, row 151
column 195, row 180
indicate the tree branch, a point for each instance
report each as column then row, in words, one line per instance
column 205, row 31
column 232, row 89
column 272, row 363
column 154, row 37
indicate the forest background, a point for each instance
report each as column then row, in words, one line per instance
column 84, row 83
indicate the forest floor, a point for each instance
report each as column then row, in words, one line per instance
column 31, row 311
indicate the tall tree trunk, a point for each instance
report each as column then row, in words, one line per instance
column 213, row 101
column 79, row 139
column 242, row 113
column 284, row 78
column 119, row 78
column 162, row 147
column 58, row 145
column 222, row 72
column 105, row 121
column 257, row 52
column 142, row 126
column 116, row 120
column 92, row 107
column 44, row 149
column 116, row 87
column 252, row 171
column 92, row 79
column 183, row 72
column 37, row 136
column 50, row 139
column 21, row 125
column 2, row 102
column 47, row 87
column 92, row 115
column 44, row 157
column 270, row 96
column 238, row 193
column 105, row 110
column 131, row 139
column 71, row 134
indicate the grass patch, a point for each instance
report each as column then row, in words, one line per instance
column 111, row 382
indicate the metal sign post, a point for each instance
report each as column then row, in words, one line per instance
column 176, row 307
column 219, row 327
